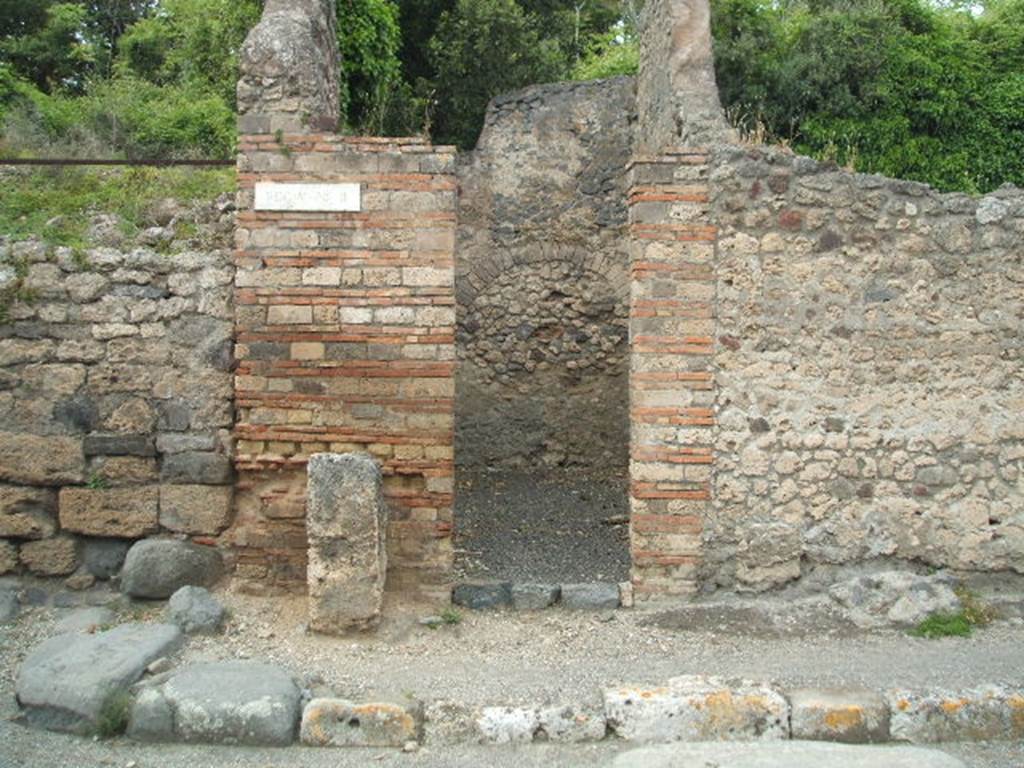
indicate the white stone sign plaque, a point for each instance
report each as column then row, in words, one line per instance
column 308, row 197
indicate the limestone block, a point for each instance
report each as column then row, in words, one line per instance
column 27, row 513
column 34, row 460
column 987, row 713
column 693, row 708
column 50, row 557
column 520, row 725
column 341, row 723
column 126, row 513
column 850, row 717
column 346, row 523
column 195, row 509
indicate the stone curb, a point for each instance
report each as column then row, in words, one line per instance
column 702, row 709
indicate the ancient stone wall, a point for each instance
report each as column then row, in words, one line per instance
column 345, row 342
column 541, row 278
column 870, row 372
column 115, row 396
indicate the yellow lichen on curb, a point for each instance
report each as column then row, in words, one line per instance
column 844, row 719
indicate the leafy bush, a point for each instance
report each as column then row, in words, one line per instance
column 483, row 48
column 611, row 54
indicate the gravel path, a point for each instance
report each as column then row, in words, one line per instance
column 561, row 656
column 558, row 526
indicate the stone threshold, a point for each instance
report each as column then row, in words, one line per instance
column 535, row 596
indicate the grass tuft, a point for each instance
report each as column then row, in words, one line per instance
column 113, row 716
column 943, row 625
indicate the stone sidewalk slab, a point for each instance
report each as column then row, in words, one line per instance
column 783, row 755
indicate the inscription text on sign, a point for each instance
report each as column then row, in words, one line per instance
column 307, row 197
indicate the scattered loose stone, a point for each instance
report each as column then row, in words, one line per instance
column 158, row 667
column 849, row 717
column 693, row 708
column 232, row 702
column 595, row 596
column 626, row 596
column 341, row 723
column 432, row 621
column 64, row 682
column 534, row 597
column 156, row 568
column 195, row 610
column 85, row 620
column 896, row 598
column 479, row 596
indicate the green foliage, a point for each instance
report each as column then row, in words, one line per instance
column 451, row 617
column 113, row 716
column 52, row 56
column 192, row 44
column 372, row 91
column 899, row 87
column 483, row 48
column 68, row 197
column 974, row 612
column 943, row 625
column 14, row 290
column 611, row 54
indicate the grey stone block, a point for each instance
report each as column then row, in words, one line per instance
column 119, row 445
column 196, row 468
column 64, row 682
column 480, row 596
column 233, row 702
column 346, row 522
column 846, row 716
column 195, row 610
column 594, row 596
column 534, row 597
column 157, row 568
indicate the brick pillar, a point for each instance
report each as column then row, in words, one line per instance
column 672, row 329
column 345, row 336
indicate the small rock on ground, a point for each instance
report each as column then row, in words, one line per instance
column 157, row 568
column 195, row 610
column 896, row 598
column 104, row 557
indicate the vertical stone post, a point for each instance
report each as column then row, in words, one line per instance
column 672, row 313
column 346, row 522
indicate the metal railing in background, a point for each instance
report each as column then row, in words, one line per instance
column 74, row 161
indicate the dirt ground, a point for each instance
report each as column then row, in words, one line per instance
column 556, row 526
